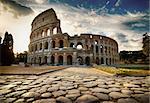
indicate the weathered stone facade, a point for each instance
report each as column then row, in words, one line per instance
column 48, row 45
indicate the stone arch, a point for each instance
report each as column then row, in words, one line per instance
column 43, row 34
column 80, row 60
column 40, row 46
column 48, row 32
column 61, row 43
column 34, row 60
column 40, row 59
column 52, row 60
column 69, row 60
column 110, row 61
column 87, row 60
column 79, row 45
column 46, row 45
column 36, row 47
column 97, row 60
column 102, row 60
column 60, row 60
column 101, row 47
column 106, row 61
column 97, row 48
column 92, row 47
column 72, row 45
column 96, row 42
column 45, row 59
column 55, row 30
column 53, row 44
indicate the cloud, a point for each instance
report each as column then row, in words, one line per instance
column 15, row 8
column 77, row 20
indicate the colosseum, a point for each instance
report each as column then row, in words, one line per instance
column 48, row 45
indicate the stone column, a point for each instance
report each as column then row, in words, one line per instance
column 45, row 32
column 74, row 59
column 49, row 45
column 51, row 31
column 64, row 59
column 49, row 59
column 56, row 58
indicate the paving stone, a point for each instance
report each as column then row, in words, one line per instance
column 20, row 101
column 128, row 100
column 73, row 91
column 63, row 100
column 82, row 88
column 52, row 89
column 140, row 92
column 102, row 96
column 72, row 96
column 10, row 100
column 131, row 85
column 23, row 88
column 117, row 95
column 30, row 100
column 87, row 99
column 126, row 91
column 90, row 84
column 108, row 102
column 142, row 98
column 15, row 94
column 8, row 86
column 58, row 93
column 2, row 81
column 31, row 95
column 103, row 86
column 102, row 90
column 114, row 89
column 45, row 101
column 5, row 91
column 46, row 95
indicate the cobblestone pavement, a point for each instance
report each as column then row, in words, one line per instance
column 74, row 85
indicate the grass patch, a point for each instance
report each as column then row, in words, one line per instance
column 124, row 72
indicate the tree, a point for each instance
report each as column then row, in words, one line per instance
column 146, row 46
column 7, row 55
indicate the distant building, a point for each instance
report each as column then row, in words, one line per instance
column 48, row 45
column 131, row 57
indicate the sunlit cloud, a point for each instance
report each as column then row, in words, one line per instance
column 77, row 20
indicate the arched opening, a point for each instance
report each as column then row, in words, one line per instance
column 87, row 61
column 97, row 49
column 102, row 60
column 69, row 60
column 53, row 44
column 106, row 61
column 32, row 60
column 40, row 46
column 43, row 34
column 46, row 45
column 72, row 45
column 52, row 60
column 101, row 47
column 79, row 46
column 87, row 47
column 92, row 47
column 35, row 60
column 61, row 44
column 80, row 60
column 97, row 60
column 60, row 60
column 45, row 59
column 39, row 60
column 48, row 32
column 55, row 31
column 36, row 47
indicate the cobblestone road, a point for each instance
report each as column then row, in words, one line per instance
column 74, row 85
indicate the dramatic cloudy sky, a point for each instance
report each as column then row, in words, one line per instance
column 123, row 20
